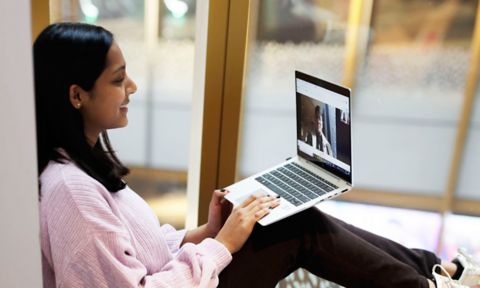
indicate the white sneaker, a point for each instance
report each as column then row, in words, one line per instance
column 471, row 269
column 445, row 281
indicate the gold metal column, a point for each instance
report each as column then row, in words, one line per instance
column 223, row 88
column 465, row 115
column 40, row 16
column 233, row 90
column 356, row 39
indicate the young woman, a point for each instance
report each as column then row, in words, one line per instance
column 96, row 232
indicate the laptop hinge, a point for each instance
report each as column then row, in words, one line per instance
column 325, row 170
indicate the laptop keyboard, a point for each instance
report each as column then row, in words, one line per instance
column 295, row 184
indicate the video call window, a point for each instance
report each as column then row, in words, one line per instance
column 321, row 123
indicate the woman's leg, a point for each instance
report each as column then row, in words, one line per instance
column 421, row 260
column 315, row 241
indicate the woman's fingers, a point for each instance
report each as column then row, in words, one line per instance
column 241, row 221
column 218, row 194
column 274, row 203
column 263, row 209
column 249, row 200
column 263, row 202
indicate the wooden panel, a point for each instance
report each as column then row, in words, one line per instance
column 40, row 16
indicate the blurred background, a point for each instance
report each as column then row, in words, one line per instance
column 414, row 90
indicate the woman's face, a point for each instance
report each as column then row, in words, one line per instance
column 105, row 105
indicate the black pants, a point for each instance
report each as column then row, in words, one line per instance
column 330, row 249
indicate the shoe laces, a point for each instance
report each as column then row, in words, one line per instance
column 446, row 280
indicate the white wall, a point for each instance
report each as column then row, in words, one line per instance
column 19, row 241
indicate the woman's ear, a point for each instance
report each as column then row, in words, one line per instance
column 76, row 95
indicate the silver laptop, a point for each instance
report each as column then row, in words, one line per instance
column 322, row 168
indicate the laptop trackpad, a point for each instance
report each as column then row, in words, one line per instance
column 239, row 198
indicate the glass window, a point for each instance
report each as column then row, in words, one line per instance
column 467, row 181
column 410, row 84
column 413, row 58
column 308, row 36
column 409, row 93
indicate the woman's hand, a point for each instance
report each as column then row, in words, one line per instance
column 240, row 223
column 218, row 211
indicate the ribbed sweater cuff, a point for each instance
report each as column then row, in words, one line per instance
column 175, row 239
column 217, row 252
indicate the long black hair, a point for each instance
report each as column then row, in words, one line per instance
column 66, row 54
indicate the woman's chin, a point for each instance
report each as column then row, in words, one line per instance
column 121, row 124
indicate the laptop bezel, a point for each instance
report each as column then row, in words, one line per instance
column 336, row 89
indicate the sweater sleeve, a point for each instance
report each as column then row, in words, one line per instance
column 91, row 246
column 173, row 237
column 109, row 260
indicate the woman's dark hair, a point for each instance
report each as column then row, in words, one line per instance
column 66, row 54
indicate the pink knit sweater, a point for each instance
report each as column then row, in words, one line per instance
column 93, row 238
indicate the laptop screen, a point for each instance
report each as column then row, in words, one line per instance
column 323, row 124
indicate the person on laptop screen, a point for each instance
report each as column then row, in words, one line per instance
column 97, row 232
column 317, row 138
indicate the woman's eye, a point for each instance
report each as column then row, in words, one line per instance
column 119, row 81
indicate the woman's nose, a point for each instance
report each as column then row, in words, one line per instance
column 131, row 87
